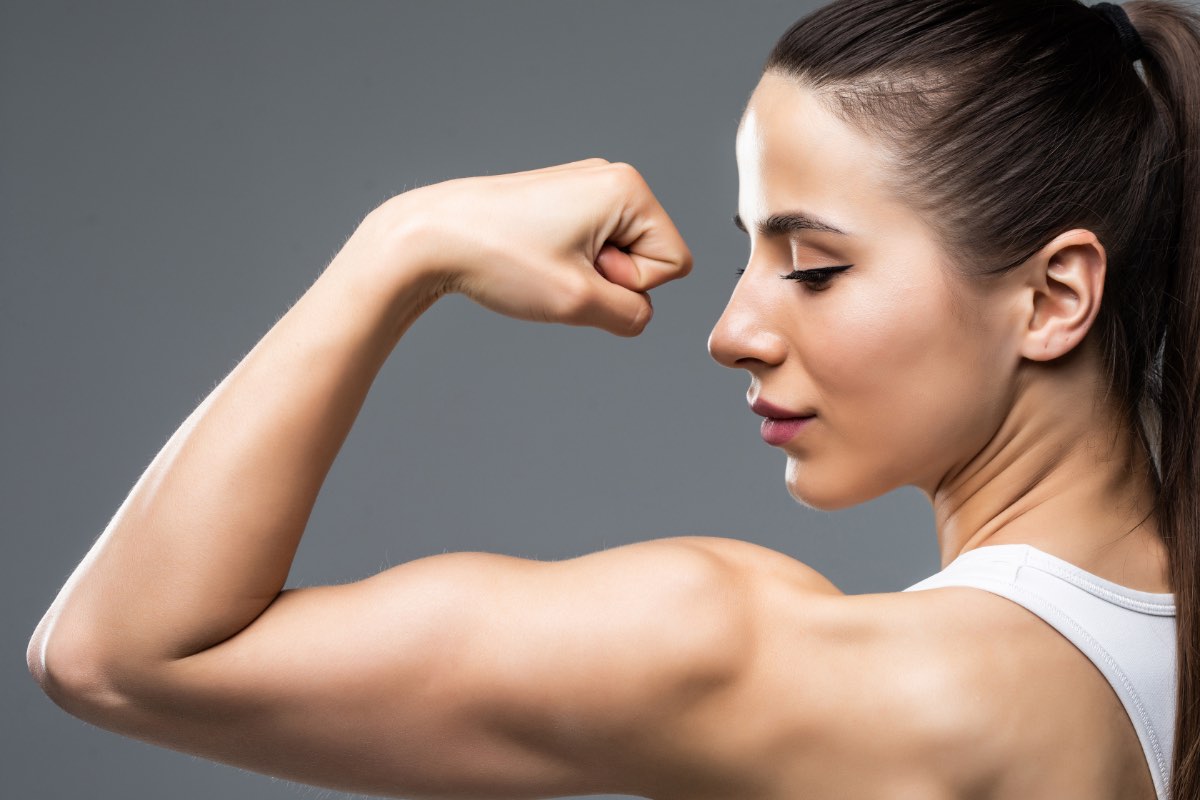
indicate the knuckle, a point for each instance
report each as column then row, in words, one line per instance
column 573, row 300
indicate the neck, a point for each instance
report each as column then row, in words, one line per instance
column 1063, row 474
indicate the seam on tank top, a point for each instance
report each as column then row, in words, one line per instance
column 1031, row 556
column 1146, row 606
column 1129, row 687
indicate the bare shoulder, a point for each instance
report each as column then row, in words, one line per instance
column 946, row 693
column 1015, row 690
column 844, row 695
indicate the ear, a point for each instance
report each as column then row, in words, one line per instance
column 1067, row 282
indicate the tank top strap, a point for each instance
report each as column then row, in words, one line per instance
column 1128, row 634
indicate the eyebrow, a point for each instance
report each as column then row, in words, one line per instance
column 787, row 222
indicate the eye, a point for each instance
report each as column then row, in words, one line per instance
column 817, row 280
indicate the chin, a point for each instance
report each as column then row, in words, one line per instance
column 826, row 491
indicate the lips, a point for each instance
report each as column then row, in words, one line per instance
column 772, row 411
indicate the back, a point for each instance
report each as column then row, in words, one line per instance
column 1129, row 635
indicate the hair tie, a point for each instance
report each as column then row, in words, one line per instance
column 1135, row 48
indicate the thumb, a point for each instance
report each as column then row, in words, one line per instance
column 618, row 267
column 616, row 309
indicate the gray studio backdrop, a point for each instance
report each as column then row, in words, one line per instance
column 173, row 176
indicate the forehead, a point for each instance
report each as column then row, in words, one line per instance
column 795, row 154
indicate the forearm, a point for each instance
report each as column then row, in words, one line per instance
column 206, row 537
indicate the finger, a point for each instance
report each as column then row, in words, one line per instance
column 647, row 234
column 660, row 255
column 616, row 309
column 616, row 265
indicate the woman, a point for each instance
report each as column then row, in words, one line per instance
column 957, row 186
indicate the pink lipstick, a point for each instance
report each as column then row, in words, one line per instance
column 778, row 431
column 781, row 424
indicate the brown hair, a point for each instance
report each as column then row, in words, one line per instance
column 1011, row 122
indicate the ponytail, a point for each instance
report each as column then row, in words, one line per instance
column 1171, row 68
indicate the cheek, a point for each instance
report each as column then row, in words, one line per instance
column 902, row 384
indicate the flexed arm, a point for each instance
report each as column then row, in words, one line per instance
column 206, row 537
column 547, row 677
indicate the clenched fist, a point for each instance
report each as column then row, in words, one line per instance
column 579, row 243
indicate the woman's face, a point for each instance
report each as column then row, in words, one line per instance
column 907, row 383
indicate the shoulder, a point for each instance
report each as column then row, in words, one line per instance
column 886, row 689
column 1016, row 688
column 939, row 693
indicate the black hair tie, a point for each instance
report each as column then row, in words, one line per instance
column 1130, row 40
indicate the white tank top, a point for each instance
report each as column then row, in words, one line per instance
column 1128, row 634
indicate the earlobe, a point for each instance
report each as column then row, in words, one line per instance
column 1067, row 282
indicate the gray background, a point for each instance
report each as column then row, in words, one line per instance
column 173, row 176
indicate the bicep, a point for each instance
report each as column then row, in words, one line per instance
column 465, row 674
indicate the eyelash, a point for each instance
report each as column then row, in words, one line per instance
column 816, row 279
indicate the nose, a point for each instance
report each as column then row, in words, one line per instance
column 744, row 336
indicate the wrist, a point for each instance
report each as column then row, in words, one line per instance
column 417, row 250
column 397, row 248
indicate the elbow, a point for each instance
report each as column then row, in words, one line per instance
column 35, row 654
column 68, row 673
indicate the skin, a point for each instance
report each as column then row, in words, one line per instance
column 986, row 398
column 683, row 667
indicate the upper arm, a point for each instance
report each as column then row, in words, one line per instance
column 469, row 674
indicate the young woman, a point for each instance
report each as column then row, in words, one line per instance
column 986, row 218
